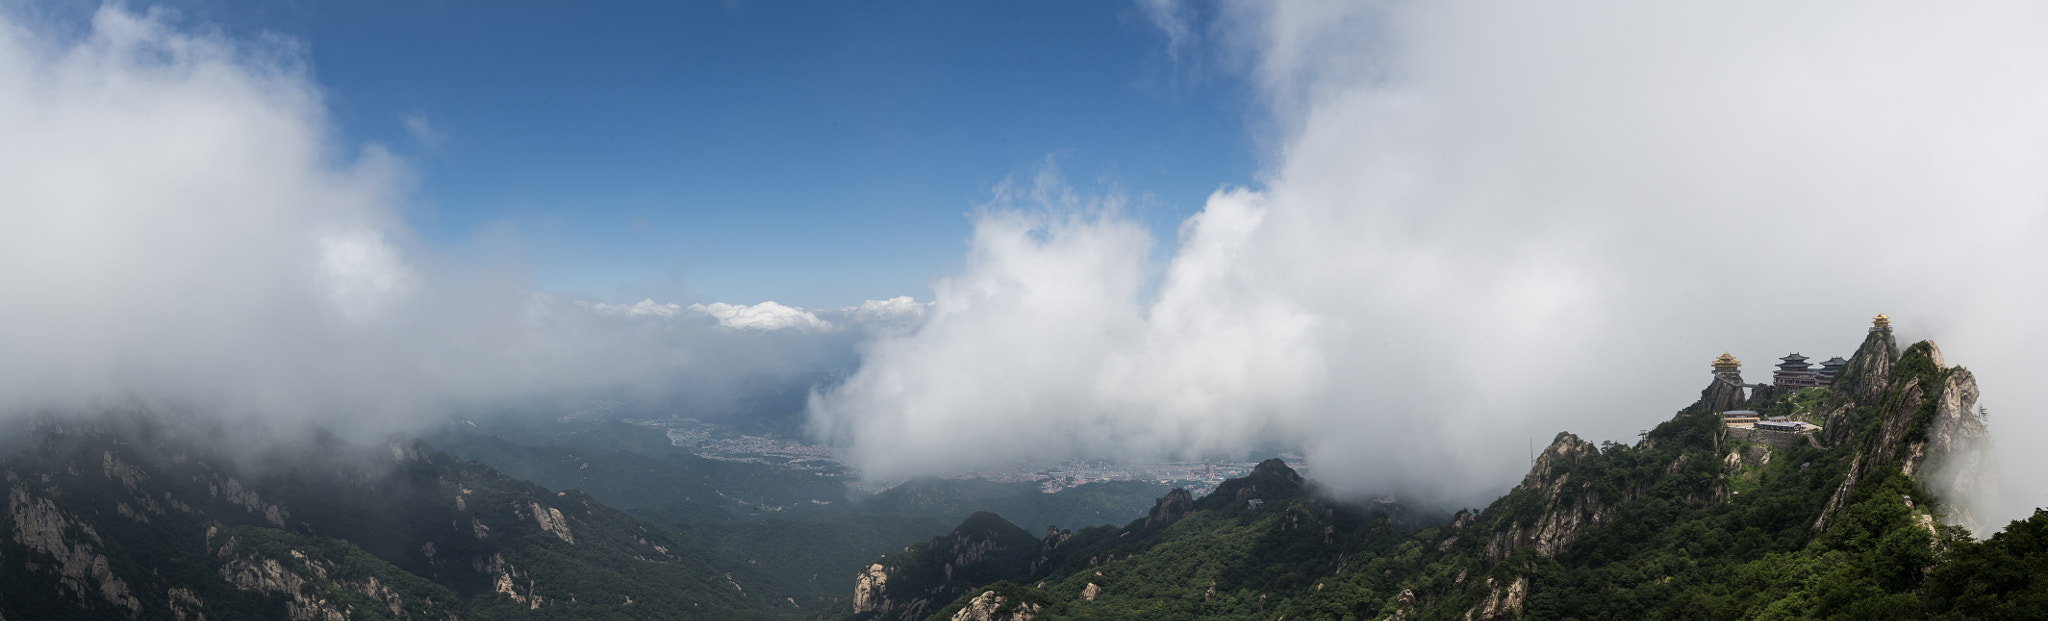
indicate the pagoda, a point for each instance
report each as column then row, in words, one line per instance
column 1830, row 369
column 1880, row 323
column 1793, row 372
column 1727, row 367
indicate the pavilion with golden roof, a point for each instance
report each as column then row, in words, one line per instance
column 1727, row 366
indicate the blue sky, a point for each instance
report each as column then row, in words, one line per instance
column 816, row 154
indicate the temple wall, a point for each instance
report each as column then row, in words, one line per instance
column 1777, row 439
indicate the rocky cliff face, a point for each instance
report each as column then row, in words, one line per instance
column 1958, row 466
column 870, row 588
column 988, row 606
column 1503, row 601
column 1863, row 380
column 1923, row 422
column 73, row 548
column 1867, row 374
column 1175, row 505
column 1723, row 395
column 927, row 576
column 1566, row 506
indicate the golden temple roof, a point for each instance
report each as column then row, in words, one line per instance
column 1880, row 320
column 1726, row 361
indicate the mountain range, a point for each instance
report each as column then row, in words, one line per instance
column 136, row 514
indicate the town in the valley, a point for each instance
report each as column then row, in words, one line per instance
column 713, row 441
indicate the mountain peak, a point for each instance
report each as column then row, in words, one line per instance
column 1276, row 467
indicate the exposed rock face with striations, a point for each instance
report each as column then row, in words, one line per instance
column 1502, row 602
column 1723, row 395
column 550, row 520
column 1175, row 505
column 1867, row 374
column 868, row 590
column 267, row 575
column 75, row 547
column 988, row 606
column 1568, row 506
column 928, row 576
column 1924, row 423
column 1958, row 464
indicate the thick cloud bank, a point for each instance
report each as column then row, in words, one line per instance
column 179, row 227
column 1483, row 225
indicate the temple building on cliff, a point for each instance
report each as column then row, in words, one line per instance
column 1727, row 367
column 1793, row 372
column 1830, row 369
column 1880, row 323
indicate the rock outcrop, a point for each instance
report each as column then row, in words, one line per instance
column 73, row 545
column 1723, row 395
column 988, row 606
column 928, row 576
column 1925, row 425
column 1501, row 602
column 1958, row 463
column 1568, row 506
column 868, row 590
column 550, row 520
column 267, row 575
column 1174, row 506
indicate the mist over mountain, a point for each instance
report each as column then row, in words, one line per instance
column 1852, row 512
column 1478, row 224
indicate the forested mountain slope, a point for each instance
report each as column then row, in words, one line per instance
column 128, row 516
column 1696, row 521
column 797, row 524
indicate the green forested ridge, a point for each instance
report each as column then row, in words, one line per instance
column 126, row 517
column 1690, row 523
column 632, row 467
column 808, row 529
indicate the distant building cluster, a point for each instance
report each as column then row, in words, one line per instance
column 1794, row 371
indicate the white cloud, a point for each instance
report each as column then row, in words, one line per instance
column 178, row 226
column 763, row 316
column 900, row 309
column 363, row 273
column 1488, row 224
column 643, row 308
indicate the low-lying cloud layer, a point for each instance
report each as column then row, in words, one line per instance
column 181, row 228
column 1483, row 225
